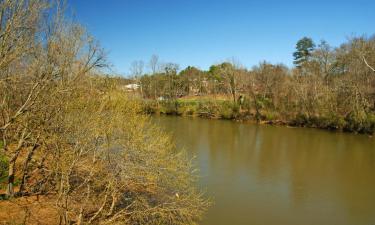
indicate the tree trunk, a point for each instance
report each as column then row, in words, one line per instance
column 12, row 165
column 10, row 188
column 25, row 167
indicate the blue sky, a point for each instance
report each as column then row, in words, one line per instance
column 203, row 32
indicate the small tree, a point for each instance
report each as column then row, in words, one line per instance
column 226, row 72
column 324, row 57
column 153, row 64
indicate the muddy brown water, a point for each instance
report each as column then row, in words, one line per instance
column 267, row 175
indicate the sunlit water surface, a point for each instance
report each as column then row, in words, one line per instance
column 265, row 175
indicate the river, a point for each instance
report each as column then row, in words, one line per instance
column 267, row 175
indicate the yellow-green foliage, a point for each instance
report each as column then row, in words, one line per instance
column 156, row 178
column 75, row 137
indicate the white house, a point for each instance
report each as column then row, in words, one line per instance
column 132, row 87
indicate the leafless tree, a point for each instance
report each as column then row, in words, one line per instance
column 153, row 63
column 74, row 136
column 136, row 68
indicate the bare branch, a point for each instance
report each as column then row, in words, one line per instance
column 364, row 59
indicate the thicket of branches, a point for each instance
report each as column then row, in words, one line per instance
column 74, row 136
column 331, row 88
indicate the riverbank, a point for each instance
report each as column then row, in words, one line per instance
column 228, row 110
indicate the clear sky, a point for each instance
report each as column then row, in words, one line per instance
column 203, row 32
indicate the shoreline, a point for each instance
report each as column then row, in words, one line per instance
column 265, row 122
column 339, row 125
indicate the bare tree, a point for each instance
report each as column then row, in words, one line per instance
column 227, row 73
column 324, row 57
column 153, row 63
column 154, row 66
column 75, row 137
column 136, row 68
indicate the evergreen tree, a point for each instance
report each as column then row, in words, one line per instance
column 304, row 47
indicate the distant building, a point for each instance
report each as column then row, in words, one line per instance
column 131, row 87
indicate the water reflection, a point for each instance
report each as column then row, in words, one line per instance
column 278, row 175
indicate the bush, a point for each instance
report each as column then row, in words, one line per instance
column 150, row 107
column 331, row 122
column 187, row 108
column 4, row 162
column 300, row 120
column 169, row 107
column 270, row 116
column 208, row 109
column 229, row 110
column 360, row 123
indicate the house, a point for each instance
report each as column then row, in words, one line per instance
column 131, row 87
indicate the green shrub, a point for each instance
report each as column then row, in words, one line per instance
column 150, row 107
column 187, row 108
column 270, row 116
column 169, row 107
column 208, row 108
column 300, row 120
column 263, row 102
column 331, row 122
column 361, row 123
column 3, row 164
column 226, row 113
column 228, row 110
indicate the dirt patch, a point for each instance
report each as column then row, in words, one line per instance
column 28, row 210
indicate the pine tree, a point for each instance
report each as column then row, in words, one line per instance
column 304, row 48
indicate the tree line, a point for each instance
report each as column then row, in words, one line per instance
column 328, row 87
column 72, row 142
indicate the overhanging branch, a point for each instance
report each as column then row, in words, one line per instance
column 364, row 59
